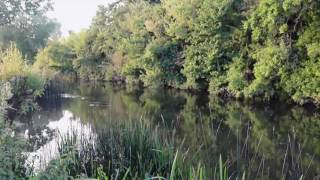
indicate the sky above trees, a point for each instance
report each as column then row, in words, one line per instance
column 75, row 15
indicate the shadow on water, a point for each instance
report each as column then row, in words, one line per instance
column 264, row 142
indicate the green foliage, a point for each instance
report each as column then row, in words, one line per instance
column 280, row 36
column 5, row 95
column 12, row 66
column 270, row 61
column 217, row 82
column 62, row 56
column 210, row 48
column 181, row 16
column 76, row 55
column 127, row 150
column 11, row 147
column 91, row 58
column 11, row 63
column 36, row 83
column 236, row 76
column 160, row 66
column 10, row 10
column 29, row 38
column 25, row 84
column 253, row 49
column 304, row 84
column 43, row 64
column 11, row 158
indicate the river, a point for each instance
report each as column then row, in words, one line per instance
column 271, row 141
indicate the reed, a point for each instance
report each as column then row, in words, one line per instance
column 128, row 150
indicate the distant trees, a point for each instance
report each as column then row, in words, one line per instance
column 30, row 37
column 23, row 22
column 10, row 10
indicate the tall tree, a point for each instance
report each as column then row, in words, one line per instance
column 10, row 10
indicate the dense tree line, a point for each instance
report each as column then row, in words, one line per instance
column 260, row 49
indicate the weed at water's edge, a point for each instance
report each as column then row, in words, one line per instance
column 130, row 150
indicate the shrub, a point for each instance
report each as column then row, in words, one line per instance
column 236, row 76
column 11, row 63
column 43, row 64
column 267, row 71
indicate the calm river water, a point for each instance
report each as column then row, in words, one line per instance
column 265, row 141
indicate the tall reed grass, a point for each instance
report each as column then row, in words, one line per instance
column 128, row 150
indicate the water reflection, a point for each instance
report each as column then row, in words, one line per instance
column 67, row 125
column 269, row 142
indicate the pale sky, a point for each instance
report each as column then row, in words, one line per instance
column 75, row 15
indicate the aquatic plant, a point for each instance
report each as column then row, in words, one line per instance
column 130, row 150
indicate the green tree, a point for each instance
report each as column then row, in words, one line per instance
column 12, row 9
column 31, row 37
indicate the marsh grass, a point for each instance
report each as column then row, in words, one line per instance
column 128, row 150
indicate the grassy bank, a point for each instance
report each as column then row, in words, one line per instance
column 130, row 150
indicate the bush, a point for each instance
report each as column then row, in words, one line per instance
column 236, row 77
column 267, row 71
column 11, row 156
column 26, row 83
column 35, row 83
column 11, row 63
column 43, row 64
column 304, row 84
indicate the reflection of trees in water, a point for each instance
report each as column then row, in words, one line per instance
column 34, row 127
column 162, row 106
column 254, row 139
column 96, row 105
column 266, row 137
column 197, row 131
